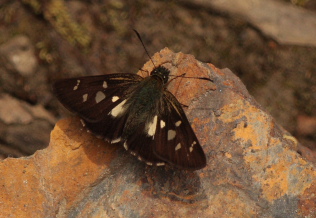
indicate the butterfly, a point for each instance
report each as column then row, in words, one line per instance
column 139, row 113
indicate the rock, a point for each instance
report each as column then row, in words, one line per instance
column 253, row 168
column 306, row 125
column 21, row 53
column 23, row 128
column 21, row 75
column 284, row 22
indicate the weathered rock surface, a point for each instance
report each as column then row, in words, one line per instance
column 280, row 20
column 253, row 168
column 20, row 52
column 24, row 128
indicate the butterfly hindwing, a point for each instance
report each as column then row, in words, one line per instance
column 93, row 97
column 175, row 141
column 107, row 128
column 141, row 146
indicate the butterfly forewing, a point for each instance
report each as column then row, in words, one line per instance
column 176, row 143
column 93, row 97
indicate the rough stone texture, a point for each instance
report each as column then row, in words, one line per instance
column 253, row 169
column 24, row 128
column 280, row 20
column 20, row 52
column 22, row 76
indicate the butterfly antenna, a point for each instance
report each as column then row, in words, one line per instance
column 189, row 77
column 140, row 39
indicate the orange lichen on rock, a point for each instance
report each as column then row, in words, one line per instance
column 274, row 167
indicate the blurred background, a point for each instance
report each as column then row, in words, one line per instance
column 270, row 45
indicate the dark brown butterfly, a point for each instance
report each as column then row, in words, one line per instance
column 139, row 113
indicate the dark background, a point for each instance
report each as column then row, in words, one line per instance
column 41, row 42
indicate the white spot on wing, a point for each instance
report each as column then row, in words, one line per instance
column 149, row 163
column 84, row 97
column 119, row 109
column 82, row 122
column 116, row 140
column 115, row 98
column 152, row 126
column 77, row 85
column 125, row 145
column 177, row 147
column 178, row 123
column 99, row 96
column 191, row 147
column 162, row 124
column 171, row 134
column 160, row 164
column 105, row 85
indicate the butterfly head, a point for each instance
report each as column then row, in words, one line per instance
column 162, row 73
